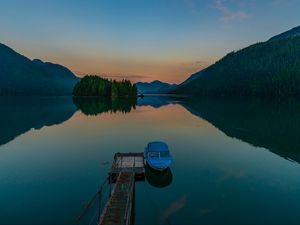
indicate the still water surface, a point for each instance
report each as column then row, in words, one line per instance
column 235, row 161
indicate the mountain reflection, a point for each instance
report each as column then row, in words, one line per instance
column 264, row 123
column 272, row 124
column 156, row 101
column 95, row 106
column 19, row 115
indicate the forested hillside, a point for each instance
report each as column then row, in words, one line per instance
column 270, row 68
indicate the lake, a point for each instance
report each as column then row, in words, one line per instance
column 235, row 161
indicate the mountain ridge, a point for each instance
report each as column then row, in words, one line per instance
column 287, row 34
column 154, row 87
column 270, row 68
column 21, row 76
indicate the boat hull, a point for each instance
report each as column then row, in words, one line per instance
column 161, row 169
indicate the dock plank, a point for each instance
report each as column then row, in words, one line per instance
column 119, row 206
column 115, row 212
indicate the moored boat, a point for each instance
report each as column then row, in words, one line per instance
column 157, row 155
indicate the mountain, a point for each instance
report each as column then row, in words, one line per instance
column 155, row 87
column 191, row 78
column 270, row 68
column 21, row 76
column 290, row 33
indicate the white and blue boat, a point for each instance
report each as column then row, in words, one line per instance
column 157, row 155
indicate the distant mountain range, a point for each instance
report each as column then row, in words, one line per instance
column 270, row 68
column 21, row 76
column 154, row 87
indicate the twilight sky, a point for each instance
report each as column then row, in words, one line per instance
column 138, row 39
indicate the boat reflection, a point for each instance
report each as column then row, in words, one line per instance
column 158, row 179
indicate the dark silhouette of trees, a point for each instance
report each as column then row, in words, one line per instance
column 97, row 86
column 270, row 68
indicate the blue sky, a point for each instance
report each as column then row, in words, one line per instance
column 140, row 40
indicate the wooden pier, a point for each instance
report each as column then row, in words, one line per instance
column 126, row 169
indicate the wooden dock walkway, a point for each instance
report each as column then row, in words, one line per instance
column 126, row 169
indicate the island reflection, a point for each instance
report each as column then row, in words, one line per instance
column 95, row 106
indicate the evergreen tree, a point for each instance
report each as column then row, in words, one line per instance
column 97, row 86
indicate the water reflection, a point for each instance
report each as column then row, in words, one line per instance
column 264, row 123
column 95, row 106
column 173, row 208
column 19, row 115
column 159, row 179
column 156, row 101
column 218, row 180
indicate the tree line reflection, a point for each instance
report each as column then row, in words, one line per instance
column 268, row 123
column 272, row 124
column 95, row 106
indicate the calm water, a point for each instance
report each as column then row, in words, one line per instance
column 235, row 161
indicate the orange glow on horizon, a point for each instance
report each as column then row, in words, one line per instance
column 171, row 72
column 144, row 70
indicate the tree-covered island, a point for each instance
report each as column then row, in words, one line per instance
column 92, row 85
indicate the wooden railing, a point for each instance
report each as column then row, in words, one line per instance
column 128, row 209
column 99, row 206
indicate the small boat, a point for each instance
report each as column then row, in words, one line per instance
column 157, row 156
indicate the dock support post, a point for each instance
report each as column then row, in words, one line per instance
column 110, row 181
column 99, row 205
